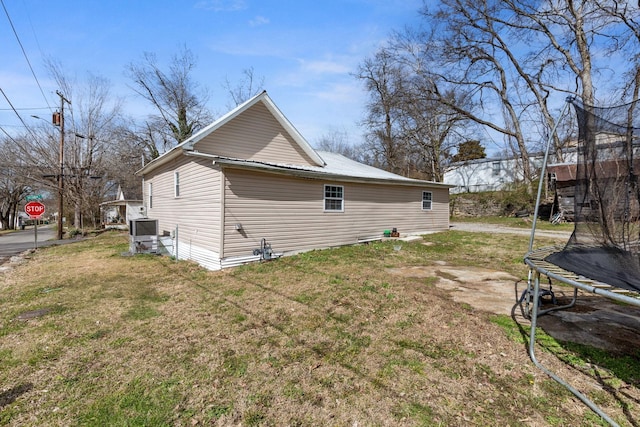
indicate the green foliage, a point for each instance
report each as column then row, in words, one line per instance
column 511, row 328
column 470, row 149
column 141, row 311
column 143, row 402
column 74, row 232
column 420, row 413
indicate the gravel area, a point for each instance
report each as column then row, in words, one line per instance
column 493, row 228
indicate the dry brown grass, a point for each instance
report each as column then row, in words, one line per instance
column 323, row 338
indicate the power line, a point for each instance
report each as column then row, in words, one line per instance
column 8, row 136
column 24, row 52
column 25, row 108
column 12, row 107
column 20, row 118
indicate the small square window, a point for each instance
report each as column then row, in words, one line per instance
column 427, row 198
column 496, row 167
column 333, row 198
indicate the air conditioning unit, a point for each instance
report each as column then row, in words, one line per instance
column 144, row 236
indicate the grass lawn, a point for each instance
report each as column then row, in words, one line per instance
column 90, row 337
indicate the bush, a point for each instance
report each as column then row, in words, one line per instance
column 73, row 232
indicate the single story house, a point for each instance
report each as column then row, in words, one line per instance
column 488, row 174
column 117, row 213
column 249, row 186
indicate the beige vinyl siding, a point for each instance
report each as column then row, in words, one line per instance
column 289, row 212
column 254, row 135
column 196, row 211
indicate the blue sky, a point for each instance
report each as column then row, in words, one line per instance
column 305, row 50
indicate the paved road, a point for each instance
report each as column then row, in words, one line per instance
column 19, row 241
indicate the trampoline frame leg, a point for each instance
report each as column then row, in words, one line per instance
column 532, row 355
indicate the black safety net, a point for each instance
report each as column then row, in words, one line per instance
column 605, row 244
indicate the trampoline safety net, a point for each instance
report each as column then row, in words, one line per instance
column 605, row 243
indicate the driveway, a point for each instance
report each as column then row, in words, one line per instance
column 493, row 228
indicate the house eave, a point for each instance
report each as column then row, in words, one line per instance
column 119, row 202
column 159, row 161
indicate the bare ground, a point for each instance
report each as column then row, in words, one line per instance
column 594, row 320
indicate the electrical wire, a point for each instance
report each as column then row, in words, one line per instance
column 24, row 52
column 16, row 111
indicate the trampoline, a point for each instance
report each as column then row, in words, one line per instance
column 602, row 255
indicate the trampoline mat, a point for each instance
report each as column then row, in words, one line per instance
column 615, row 267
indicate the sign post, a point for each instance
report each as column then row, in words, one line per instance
column 35, row 210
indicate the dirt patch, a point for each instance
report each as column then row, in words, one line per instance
column 33, row 314
column 593, row 321
column 481, row 288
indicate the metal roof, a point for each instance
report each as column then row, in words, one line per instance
column 337, row 167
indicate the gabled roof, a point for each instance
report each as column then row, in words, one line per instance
column 336, row 166
column 188, row 144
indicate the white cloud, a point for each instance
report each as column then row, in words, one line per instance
column 258, row 21
column 324, row 67
column 342, row 93
column 221, row 5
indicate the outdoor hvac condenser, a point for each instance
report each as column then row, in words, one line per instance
column 144, row 236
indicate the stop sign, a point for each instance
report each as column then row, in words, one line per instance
column 34, row 209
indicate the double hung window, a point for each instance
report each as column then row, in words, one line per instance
column 333, row 198
column 176, row 184
column 427, row 199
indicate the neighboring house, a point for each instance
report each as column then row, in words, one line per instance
column 489, row 174
column 609, row 163
column 250, row 182
column 117, row 213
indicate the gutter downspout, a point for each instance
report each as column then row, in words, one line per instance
column 223, row 179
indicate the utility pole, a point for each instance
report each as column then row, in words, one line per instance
column 61, row 172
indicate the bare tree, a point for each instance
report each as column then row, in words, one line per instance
column 510, row 57
column 627, row 43
column 383, row 81
column 409, row 130
column 13, row 181
column 91, row 118
column 431, row 129
column 338, row 142
column 179, row 102
column 466, row 49
column 248, row 87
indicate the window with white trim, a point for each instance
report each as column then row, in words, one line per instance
column 176, row 184
column 427, row 199
column 150, row 195
column 333, row 198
